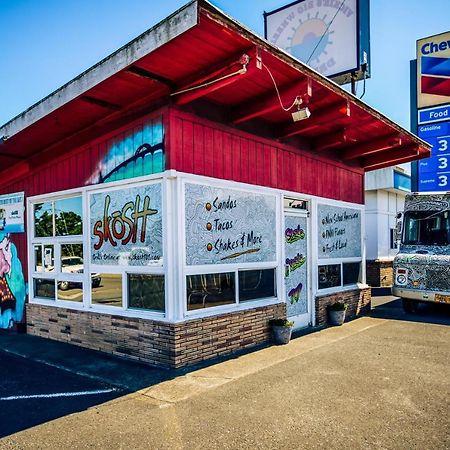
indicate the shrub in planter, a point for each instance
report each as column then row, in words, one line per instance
column 282, row 330
column 336, row 313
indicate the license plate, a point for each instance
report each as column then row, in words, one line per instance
column 442, row 298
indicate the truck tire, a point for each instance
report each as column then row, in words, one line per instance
column 409, row 306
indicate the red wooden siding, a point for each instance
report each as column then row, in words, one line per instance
column 201, row 147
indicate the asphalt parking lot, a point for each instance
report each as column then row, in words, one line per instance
column 32, row 393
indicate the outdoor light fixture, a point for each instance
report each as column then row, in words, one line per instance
column 301, row 113
column 4, row 138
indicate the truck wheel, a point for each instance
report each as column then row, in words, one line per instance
column 409, row 306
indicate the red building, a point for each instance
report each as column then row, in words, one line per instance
column 173, row 205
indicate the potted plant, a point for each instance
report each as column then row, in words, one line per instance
column 282, row 330
column 336, row 313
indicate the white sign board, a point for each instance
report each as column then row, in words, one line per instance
column 322, row 34
column 11, row 213
column 228, row 226
column 339, row 232
column 126, row 226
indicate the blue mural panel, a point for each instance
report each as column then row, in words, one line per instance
column 140, row 152
column 13, row 288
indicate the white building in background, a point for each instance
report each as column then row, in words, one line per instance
column 385, row 191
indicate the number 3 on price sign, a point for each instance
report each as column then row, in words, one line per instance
column 443, row 145
column 443, row 179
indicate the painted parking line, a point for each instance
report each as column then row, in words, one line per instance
column 59, row 394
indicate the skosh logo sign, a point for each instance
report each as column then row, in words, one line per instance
column 126, row 226
column 321, row 33
column 433, row 70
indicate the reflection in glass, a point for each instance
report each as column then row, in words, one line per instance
column 38, row 262
column 68, row 217
column 213, row 289
column 329, row 276
column 49, row 258
column 146, row 292
column 43, row 219
column 255, row 284
column 351, row 273
column 109, row 290
column 44, row 288
column 70, row 291
column 72, row 258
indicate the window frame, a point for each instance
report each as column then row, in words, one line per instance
column 86, row 304
column 204, row 269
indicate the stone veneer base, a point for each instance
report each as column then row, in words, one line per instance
column 154, row 342
column 358, row 301
column 379, row 273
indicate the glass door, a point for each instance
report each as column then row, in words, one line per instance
column 296, row 268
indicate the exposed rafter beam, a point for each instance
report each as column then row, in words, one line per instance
column 228, row 73
column 335, row 139
column 391, row 157
column 371, row 147
column 143, row 73
column 101, row 103
column 319, row 117
column 10, row 155
column 269, row 103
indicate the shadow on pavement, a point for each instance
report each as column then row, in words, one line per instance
column 391, row 308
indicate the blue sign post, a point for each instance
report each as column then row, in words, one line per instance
column 434, row 172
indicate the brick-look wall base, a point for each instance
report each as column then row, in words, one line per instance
column 153, row 342
column 358, row 302
column 379, row 273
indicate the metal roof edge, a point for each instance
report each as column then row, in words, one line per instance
column 169, row 28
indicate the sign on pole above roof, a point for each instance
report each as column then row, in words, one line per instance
column 433, row 70
column 332, row 36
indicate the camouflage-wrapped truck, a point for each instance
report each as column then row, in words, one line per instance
column 422, row 265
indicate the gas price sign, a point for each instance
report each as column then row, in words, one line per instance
column 434, row 172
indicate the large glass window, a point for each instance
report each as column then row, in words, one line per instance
column 255, row 284
column 427, row 228
column 109, row 290
column 213, row 289
column 351, row 273
column 146, row 291
column 329, row 276
column 59, row 218
column 60, row 267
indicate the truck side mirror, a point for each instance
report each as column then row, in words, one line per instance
column 399, row 227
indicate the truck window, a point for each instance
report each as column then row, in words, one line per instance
column 426, row 228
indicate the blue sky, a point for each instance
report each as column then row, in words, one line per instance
column 46, row 43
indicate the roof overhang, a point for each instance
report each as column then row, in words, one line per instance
column 200, row 53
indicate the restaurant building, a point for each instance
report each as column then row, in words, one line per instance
column 173, row 204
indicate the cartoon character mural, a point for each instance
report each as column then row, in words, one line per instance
column 12, row 284
column 136, row 154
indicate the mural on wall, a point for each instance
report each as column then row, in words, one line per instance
column 126, row 226
column 12, row 283
column 138, row 153
column 228, row 226
column 295, row 245
column 339, row 232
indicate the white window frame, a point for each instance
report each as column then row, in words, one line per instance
column 161, row 268
column 333, row 261
column 187, row 270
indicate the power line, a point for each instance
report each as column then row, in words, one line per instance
column 325, row 32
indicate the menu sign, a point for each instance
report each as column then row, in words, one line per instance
column 339, row 232
column 11, row 213
column 126, row 226
column 229, row 226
